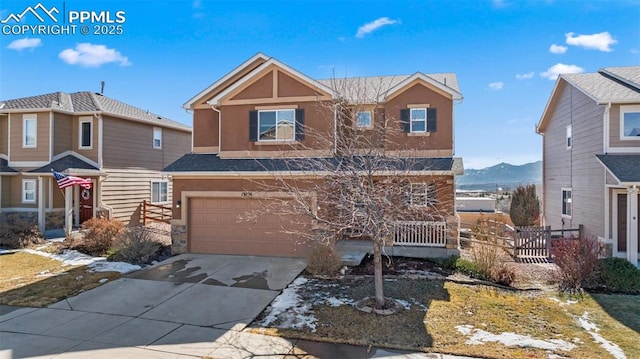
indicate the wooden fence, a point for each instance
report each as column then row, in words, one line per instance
column 421, row 233
column 155, row 213
column 532, row 242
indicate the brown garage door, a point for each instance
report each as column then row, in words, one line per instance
column 216, row 226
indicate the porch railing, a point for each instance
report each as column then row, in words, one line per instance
column 421, row 233
column 155, row 213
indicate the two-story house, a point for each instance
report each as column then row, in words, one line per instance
column 251, row 121
column 591, row 156
column 121, row 148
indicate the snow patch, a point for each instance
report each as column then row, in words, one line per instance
column 562, row 304
column 95, row 264
column 289, row 310
column 593, row 330
column 479, row 337
column 404, row 303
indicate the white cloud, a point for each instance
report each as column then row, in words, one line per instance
column 525, row 76
column 90, row 55
column 554, row 71
column 25, row 43
column 496, row 85
column 634, row 51
column 601, row 41
column 557, row 49
column 374, row 25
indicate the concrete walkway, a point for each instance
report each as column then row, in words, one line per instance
column 190, row 306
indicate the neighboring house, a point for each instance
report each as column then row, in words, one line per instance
column 263, row 111
column 120, row 147
column 591, row 156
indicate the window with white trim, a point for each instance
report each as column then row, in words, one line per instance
column 418, row 118
column 29, row 131
column 630, row 122
column 423, row 194
column 569, row 138
column 157, row 137
column 28, row 191
column 85, row 133
column 276, row 125
column 363, row 119
column 159, row 192
column 566, row 202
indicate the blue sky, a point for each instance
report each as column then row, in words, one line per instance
column 505, row 53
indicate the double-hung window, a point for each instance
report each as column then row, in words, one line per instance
column 423, row 194
column 569, row 137
column 29, row 191
column 159, row 192
column 566, row 202
column 30, row 131
column 630, row 122
column 363, row 119
column 157, row 137
column 86, row 133
column 277, row 125
column 418, row 120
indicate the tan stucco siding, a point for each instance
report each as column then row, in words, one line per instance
column 62, row 133
column 576, row 168
column 318, row 128
column 206, row 123
column 125, row 190
column 261, row 88
column 290, row 87
column 129, row 144
column 38, row 153
column 4, row 135
column 615, row 122
column 202, row 101
column 441, row 139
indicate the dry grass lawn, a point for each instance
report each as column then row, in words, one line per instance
column 439, row 308
column 36, row 281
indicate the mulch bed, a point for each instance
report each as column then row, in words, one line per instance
column 396, row 266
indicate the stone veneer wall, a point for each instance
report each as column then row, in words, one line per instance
column 13, row 217
column 178, row 239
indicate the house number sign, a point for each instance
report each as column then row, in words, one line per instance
column 246, row 194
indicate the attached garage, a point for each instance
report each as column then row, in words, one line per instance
column 220, row 226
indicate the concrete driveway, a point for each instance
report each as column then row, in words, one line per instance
column 190, row 305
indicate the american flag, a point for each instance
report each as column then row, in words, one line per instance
column 65, row 181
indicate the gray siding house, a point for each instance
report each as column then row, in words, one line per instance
column 121, row 148
column 591, row 156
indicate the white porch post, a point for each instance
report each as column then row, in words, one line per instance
column 41, row 213
column 68, row 209
column 632, row 225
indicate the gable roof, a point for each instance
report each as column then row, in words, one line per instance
column 5, row 169
column 375, row 88
column 368, row 89
column 623, row 167
column 67, row 164
column 616, row 85
column 86, row 102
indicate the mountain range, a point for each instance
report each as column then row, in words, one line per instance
column 503, row 175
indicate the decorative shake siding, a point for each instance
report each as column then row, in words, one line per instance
column 576, row 168
column 124, row 190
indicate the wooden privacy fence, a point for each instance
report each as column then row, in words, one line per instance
column 155, row 213
column 420, row 233
column 533, row 242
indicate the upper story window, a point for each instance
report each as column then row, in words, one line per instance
column 569, row 138
column 86, row 133
column 566, row 202
column 418, row 120
column 157, row 137
column 29, row 191
column 630, row 122
column 423, row 194
column 363, row 119
column 30, row 131
column 277, row 125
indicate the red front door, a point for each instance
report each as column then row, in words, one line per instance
column 86, row 204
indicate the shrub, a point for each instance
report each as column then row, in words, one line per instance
column 577, row 260
column 619, row 275
column 491, row 265
column 100, row 235
column 324, row 260
column 467, row 267
column 525, row 206
column 136, row 245
column 447, row 263
column 18, row 233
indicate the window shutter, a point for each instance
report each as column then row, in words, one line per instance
column 253, row 126
column 431, row 120
column 300, row 124
column 405, row 121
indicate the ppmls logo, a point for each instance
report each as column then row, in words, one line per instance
column 53, row 22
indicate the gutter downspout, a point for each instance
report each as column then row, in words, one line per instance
column 608, row 237
column 219, row 129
